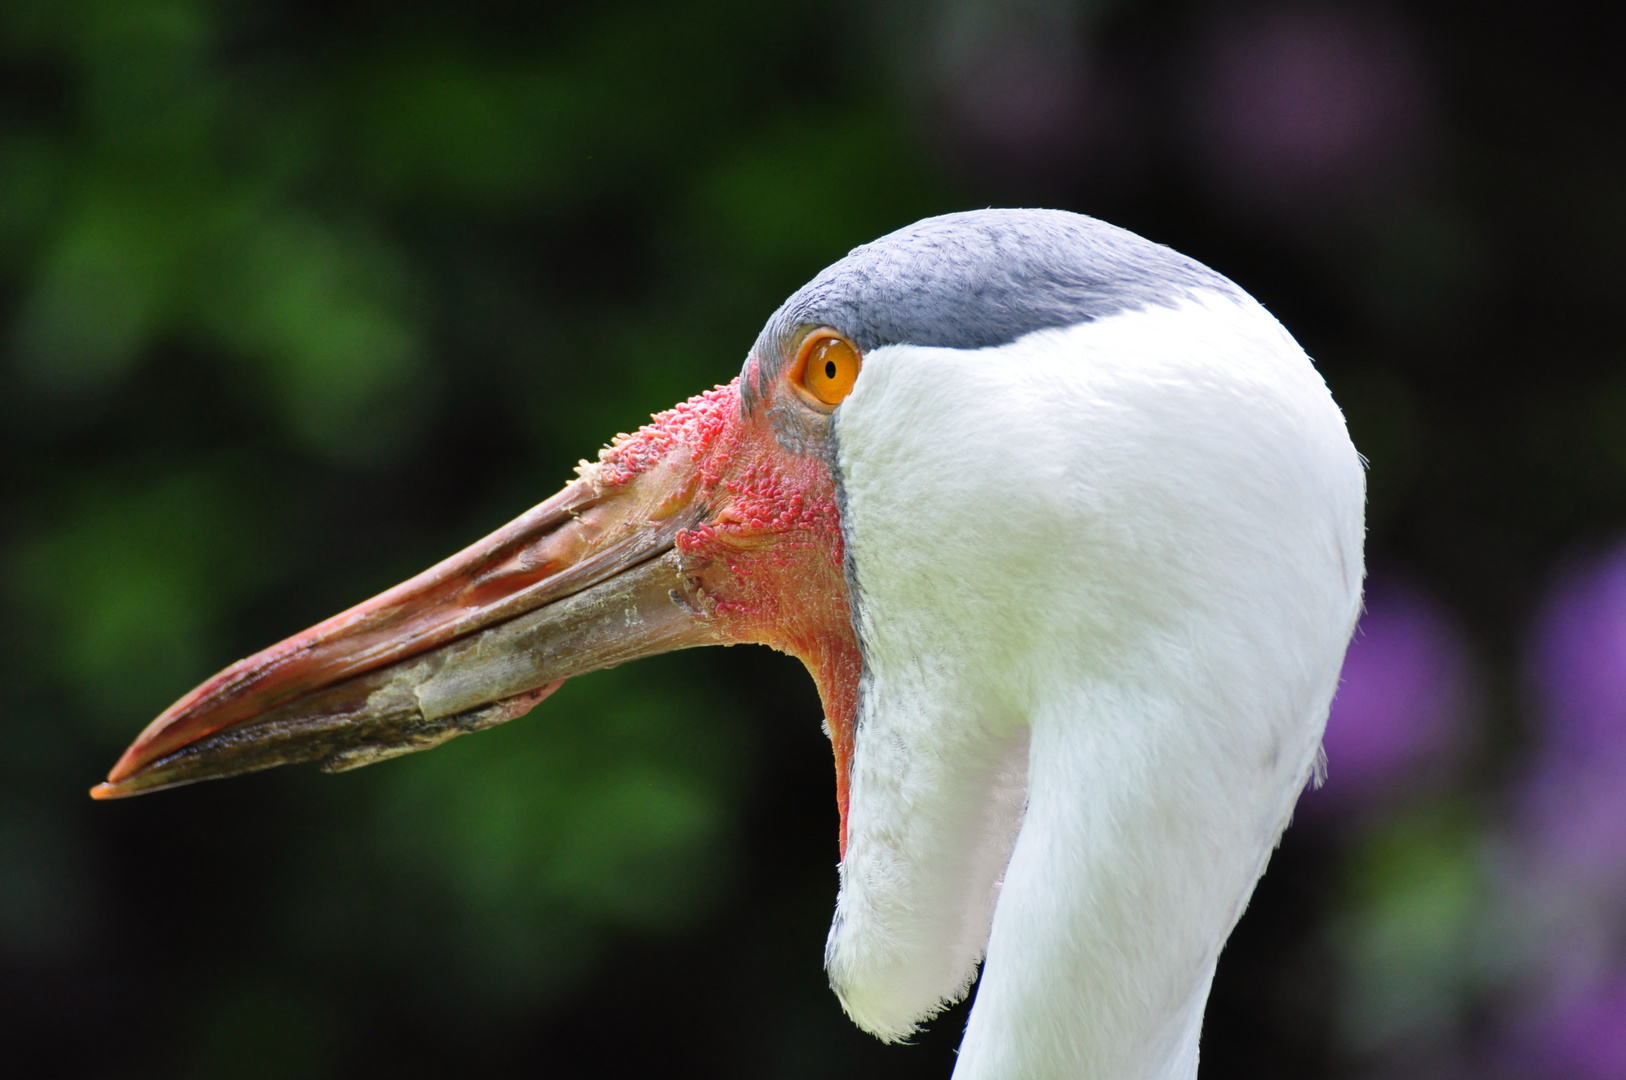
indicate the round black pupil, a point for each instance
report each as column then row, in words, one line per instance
column 829, row 369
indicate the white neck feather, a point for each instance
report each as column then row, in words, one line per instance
column 1105, row 575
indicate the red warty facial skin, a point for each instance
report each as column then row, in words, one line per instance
column 768, row 560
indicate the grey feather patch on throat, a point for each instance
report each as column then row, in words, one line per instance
column 982, row 278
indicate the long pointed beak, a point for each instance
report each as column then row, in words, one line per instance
column 716, row 523
column 586, row 580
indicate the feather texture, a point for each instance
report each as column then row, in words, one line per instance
column 1104, row 578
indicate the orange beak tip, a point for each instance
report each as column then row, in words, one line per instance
column 102, row 792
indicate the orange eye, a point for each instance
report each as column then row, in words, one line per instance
column 828, row 365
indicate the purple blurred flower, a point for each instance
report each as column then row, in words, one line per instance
column 1578, row 662
column 1567, row 872
column 1308, row 100
column 1574, row 802
column 1402, row 700
column 1575, row 814
column 1582, row 1039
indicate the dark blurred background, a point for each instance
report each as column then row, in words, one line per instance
column 297, row 298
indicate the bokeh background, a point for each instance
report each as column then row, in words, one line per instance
column 296, row 298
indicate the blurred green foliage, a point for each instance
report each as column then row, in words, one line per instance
column 127, row 581
column 1407, row 935
column 522, row 850
column 297, row 298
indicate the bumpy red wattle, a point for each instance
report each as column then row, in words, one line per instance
column 767, row 557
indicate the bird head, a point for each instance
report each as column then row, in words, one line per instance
column 725, row 519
